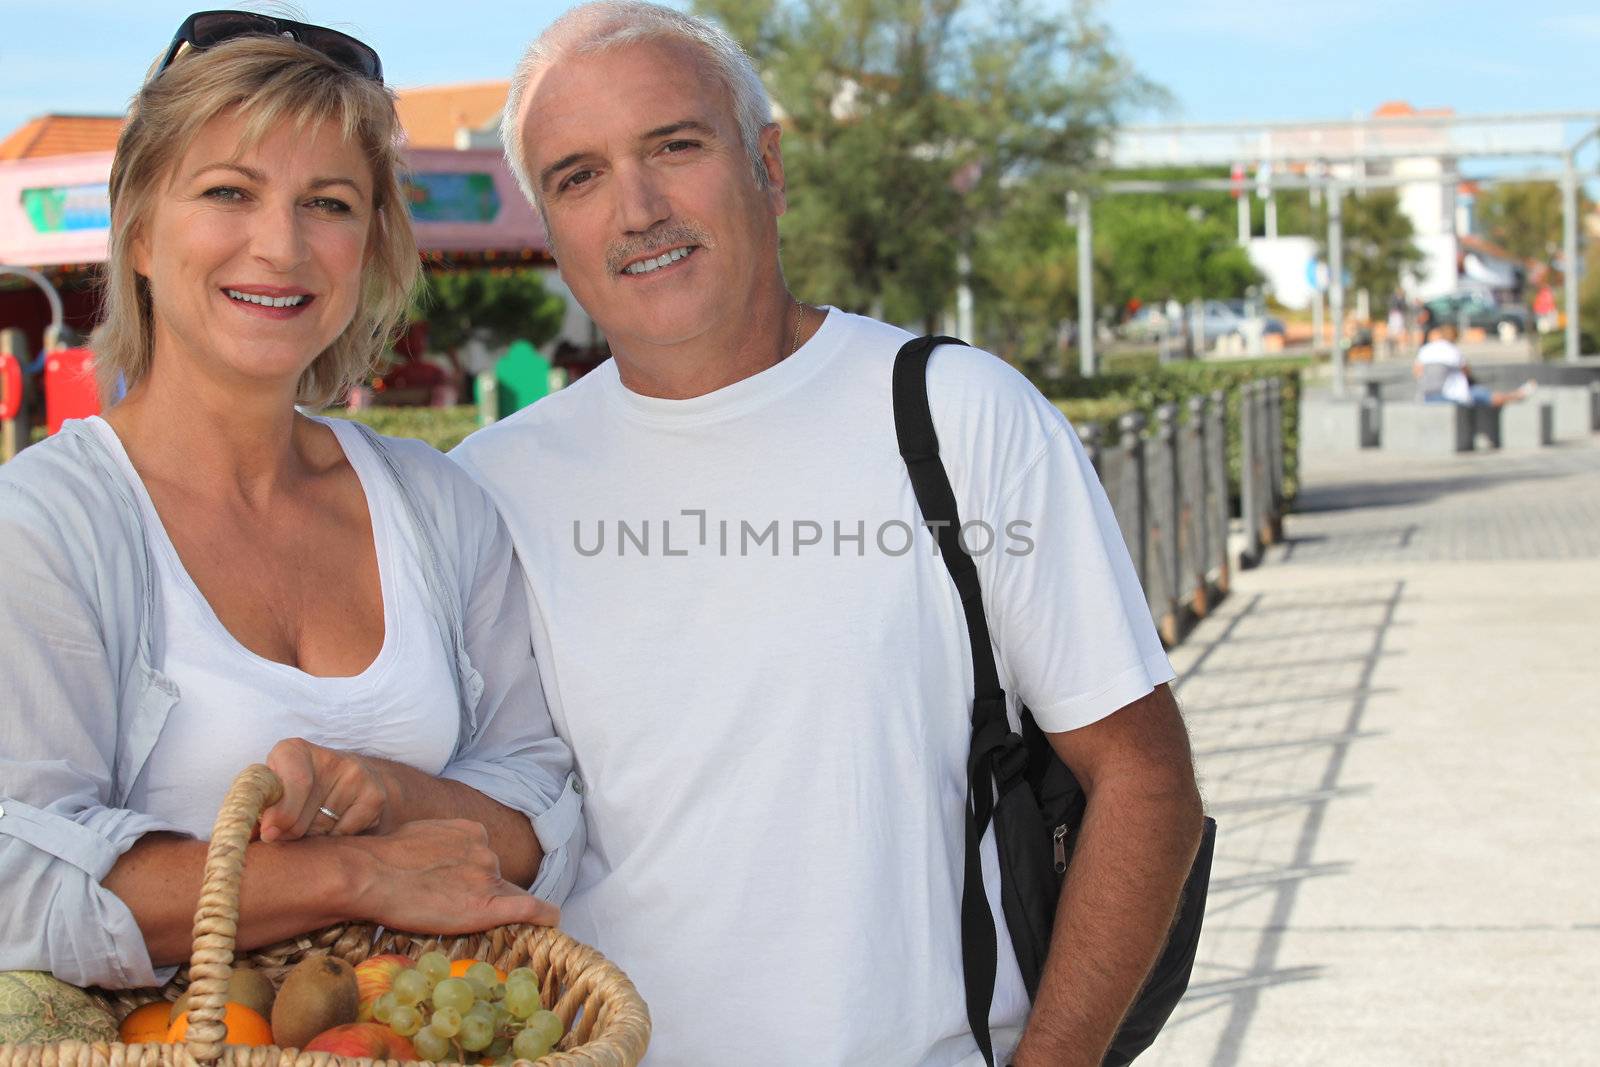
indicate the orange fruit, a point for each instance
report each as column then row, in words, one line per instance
column 245, row 1027
column 146, row 1025
column 459, row 968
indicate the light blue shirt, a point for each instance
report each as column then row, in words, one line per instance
column 84, row 696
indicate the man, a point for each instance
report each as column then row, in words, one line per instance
column 1443, row 376
column 754, row 652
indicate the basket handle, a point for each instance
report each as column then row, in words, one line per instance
column 216, row 920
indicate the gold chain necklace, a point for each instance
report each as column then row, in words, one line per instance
column 799, row 315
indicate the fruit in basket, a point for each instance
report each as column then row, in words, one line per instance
column 245, row 986
column 374, row 977
column 467, row 1012
column 318, row 995
column 459, row 969
column 146, row 1025
column 245, row 1027
column 37, row 1009
column 371, row 1040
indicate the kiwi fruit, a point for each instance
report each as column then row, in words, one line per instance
column 319, row 994
column 245, row 986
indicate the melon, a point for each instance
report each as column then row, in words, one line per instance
column 37, row 1009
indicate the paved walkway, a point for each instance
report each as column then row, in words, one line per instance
column 1397, row 726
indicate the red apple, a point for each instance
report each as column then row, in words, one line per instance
column 375, row 977
column 371, row 1040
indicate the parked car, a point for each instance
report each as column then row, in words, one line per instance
column 1474, row 310
column 1146, row 326
column 1269, row 324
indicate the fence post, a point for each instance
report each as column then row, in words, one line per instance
column 1274, row 396
column 1132, row 486
column 1198, row 510
column 1089, row 436
column 1249, row 481
column 1168, row 515
column 1221, row 499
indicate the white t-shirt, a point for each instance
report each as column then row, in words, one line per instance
column 234, row 705
column 1448, row 360
column 763, row 672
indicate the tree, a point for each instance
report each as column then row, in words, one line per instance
column 495, row 307
column 1154, row 248
column 1524, row 218
column 909, row 124
column 1379, row 242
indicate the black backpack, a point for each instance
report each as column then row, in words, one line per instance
column 1020, row 782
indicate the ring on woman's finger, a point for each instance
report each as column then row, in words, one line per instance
column 330, row 814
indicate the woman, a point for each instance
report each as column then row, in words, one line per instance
column 205, row 578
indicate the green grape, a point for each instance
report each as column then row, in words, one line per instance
column 484, row 976
column 454, row 993
column 530, row 1045
column 411, row 986
column 483, row 1010
column 522, row 974
column 446, row 1022
column 522, row 1000
column 547, row 1024
column 477, row 1033
column 435, row 966
column 497, row 1048
column 383, row 1007
column 406, row 1020
column 430, row 1046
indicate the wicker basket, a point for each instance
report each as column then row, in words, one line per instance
column 612, row 1024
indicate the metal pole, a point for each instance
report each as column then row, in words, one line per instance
column 50, row 294
column 964, row 298
column 1087, row 364
column 1244, row 217
column 1336, row 281
column 1569, row 250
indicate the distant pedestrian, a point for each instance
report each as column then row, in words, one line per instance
column 1395, row 332
column 1544, row 309
column 1443, row 376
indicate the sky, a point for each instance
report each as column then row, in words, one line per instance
column 1220, row 60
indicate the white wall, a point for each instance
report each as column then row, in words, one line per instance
column 1283, row 260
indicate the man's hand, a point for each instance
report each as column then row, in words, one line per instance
column 353, row 787
column 439, row 876
column 1138, row 839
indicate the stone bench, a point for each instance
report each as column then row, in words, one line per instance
column 1574, row 410
column 1528, row 424
column 1426, row 429
column 1329, row 425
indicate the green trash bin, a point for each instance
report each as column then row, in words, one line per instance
column 521, row 376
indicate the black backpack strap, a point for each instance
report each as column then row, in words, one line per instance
column 991, row 735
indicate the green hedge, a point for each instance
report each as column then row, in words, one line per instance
column 443, row 428
column 1109, row 396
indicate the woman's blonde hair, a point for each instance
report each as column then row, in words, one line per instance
column 270, row 80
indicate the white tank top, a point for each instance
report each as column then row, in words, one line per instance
column 235, row 705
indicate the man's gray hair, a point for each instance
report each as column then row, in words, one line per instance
column 604, row 25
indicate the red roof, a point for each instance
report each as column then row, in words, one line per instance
column 62, row 135
column 432, row 114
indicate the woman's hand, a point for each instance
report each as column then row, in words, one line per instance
column 350, row 786
column 439, row 876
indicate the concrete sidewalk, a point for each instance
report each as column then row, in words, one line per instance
column 1396, row 725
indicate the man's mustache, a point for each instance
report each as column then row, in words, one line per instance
column 658, row 240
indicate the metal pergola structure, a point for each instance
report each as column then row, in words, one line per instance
column 1318, row 151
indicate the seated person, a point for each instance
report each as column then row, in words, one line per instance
column 1443, row 376
column 206, row 578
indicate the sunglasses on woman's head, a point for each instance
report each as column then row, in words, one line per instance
column 205, row 29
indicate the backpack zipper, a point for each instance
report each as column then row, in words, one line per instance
column 1061, row 848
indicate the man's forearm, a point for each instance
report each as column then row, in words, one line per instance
column 1134, row 850
column 415, row 795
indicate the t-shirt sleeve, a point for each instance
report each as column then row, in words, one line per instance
column 1072, row 628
